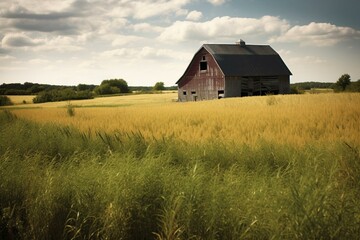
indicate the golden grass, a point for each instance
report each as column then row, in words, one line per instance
column 19, row 99
column 112, row 101
column 289, row 119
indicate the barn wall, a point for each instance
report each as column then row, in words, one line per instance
column 284, row 84
column 256, row 86
column 233, row 86
column 199, row 84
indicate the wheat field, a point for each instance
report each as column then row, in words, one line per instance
column 146, row 167
column 289, row 119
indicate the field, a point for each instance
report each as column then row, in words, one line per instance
column 21, row 99
column 147, row 167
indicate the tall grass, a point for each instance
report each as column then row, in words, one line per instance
column 297, row 120
column 60, row 183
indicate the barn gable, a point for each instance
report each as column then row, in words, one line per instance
column 233, row 70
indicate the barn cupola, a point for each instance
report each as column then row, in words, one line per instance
column 241, row 43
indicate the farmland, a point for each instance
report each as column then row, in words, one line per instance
column 147, row 167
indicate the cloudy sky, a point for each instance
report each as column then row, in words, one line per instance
column 68, row 42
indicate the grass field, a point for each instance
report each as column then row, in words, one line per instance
column 146, row 167
column 26, row 99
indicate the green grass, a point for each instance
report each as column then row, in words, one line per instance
column 58, row 183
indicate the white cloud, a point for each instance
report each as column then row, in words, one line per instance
column 194, row 16
column 142, row 9
column 90, row 64
column 307, row 59
column 119, row 52
column 6, row 58
column 149, row 52
column 104, row 26
column 19, row 40
column 62, row 44
column 38, row 61
column 146, row 52
column 217, row 2
column 223, row 27
column 45, row 6
column 318, row 34
column 284, row 52
column 146, row 27
column 121, row 40
column 42, row 42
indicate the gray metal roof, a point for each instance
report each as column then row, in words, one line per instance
column 248, row 60
column 245, row 60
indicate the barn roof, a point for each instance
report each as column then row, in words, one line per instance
column 246, row 60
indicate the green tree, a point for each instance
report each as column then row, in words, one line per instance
column 159, row 86
column 119, row 83
column 354, row 86
column 343, row 81
column 112, row 86
column 4, row 101
column 103, row 89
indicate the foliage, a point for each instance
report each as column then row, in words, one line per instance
column 5, row 101
column 84, row 87
column 159, row 86
column 62, row 95
column 26, row 89
column 34, row 88
column 70, row 109
column 59, row 183
column 343, row 81
column 353, row 86
column 311, row 85
column 296, row 90
column 149, row 89
column 112, row 86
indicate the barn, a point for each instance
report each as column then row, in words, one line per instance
column 233, row 70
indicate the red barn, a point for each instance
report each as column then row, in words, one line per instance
column 233, row 70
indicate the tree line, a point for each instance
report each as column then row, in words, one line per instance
column 344, row 83
column 52, row 93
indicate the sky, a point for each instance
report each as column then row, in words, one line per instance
column 68, row 42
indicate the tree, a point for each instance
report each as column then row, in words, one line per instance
column 121, row 84
column 4, row 101
column 344, row 81
column 159, row 86
column 112, row 86
column 354, row 86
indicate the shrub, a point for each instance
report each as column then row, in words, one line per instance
column 5, row 101
column 112, row 86
column 62, row 95
column 159, row 86
column 295, row 90
column 70, row 110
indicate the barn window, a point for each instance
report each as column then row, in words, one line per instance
column 203, row 66
column 203, row 58
column 184, row 93
column 193, row 92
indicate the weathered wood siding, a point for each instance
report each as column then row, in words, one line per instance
column 199, row 84
column 233, row 86
column 284, row 84
column 256, row 86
